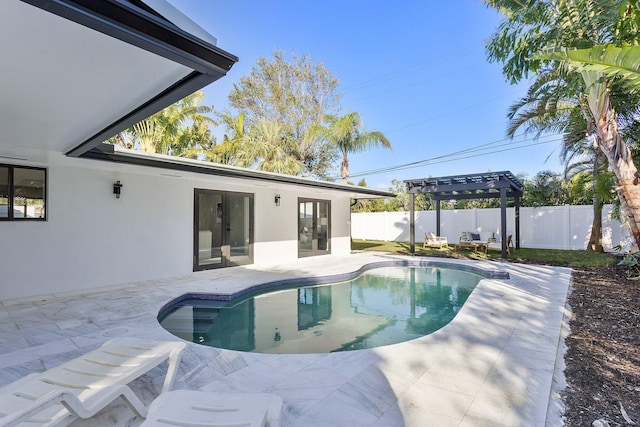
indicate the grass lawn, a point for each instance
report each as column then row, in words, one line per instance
column 536, row 256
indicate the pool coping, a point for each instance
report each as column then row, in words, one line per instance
column 282, row 284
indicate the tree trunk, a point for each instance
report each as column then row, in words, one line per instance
column 595, row 239
column 621, row 163
column 344, row 168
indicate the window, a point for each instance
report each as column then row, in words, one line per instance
column 22, row 193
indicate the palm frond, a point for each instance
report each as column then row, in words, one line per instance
column 614, row 61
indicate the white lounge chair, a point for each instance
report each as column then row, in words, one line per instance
column 82, row 387
column 431, row 240
column 188, row 408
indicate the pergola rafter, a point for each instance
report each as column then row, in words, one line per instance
column 488, row 185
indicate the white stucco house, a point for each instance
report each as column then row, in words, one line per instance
column 76, row 213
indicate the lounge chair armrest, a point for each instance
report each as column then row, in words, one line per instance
column 173, row 365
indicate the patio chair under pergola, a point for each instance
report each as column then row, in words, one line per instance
column 488, row 185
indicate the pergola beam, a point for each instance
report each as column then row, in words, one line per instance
column 492, row 195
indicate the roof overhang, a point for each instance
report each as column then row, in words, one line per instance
column 75, row 73
column 139, row 158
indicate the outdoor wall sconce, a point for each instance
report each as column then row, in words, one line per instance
column 277, row 200
column 116, row 189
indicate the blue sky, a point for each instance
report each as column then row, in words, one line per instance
column 415, row 70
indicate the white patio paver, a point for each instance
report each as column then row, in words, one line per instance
column 493, row 365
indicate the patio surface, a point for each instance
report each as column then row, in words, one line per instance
column 493, row 365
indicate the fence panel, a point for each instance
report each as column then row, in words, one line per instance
column 548, row 227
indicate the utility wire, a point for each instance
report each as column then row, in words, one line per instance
column 480, row 147
column 458, row 155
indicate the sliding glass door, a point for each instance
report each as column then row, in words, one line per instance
column 223, row 229
column 314, row 227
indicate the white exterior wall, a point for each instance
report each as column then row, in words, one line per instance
column 548, row 227
column 91, row 239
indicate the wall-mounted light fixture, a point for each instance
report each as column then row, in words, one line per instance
column 116, row 189
column 277, row 200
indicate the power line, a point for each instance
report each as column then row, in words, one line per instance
column 458, row 155
column 480, row 147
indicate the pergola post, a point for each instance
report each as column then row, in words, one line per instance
column 438, row 217
column 412, row 224
column 517, row 209
column 503, row 221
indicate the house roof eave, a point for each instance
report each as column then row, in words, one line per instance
column 119, row 155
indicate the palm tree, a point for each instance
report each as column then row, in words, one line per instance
column 537, row 26
column 268, row 147
column 615, row 61
column 227, row 151
column 347, row 135
column 554, row 103
column 161, row 132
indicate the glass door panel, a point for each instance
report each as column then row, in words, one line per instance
column 314, row 227
column 223, row 229
column 4, row 192
column 239, row 229
column 305, row 227
column 322, row 226
column 210, row 229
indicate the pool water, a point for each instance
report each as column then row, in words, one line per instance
column 379, row 307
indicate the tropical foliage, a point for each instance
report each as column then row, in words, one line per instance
column 297, row 95
column 180, row 129
column 561, row 94
column 268, row 146
column 346, row 133
column 614, row 61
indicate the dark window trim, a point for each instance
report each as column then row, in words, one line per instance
column 10, row 216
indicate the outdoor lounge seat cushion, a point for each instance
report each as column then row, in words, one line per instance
column 470, row 236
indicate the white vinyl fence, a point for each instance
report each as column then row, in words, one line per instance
column 548, row 227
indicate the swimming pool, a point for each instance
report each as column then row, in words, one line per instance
column 378, row 306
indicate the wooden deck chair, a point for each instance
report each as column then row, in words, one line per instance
column 497, row 246
column 82, row 387
column 187, row 408
column 431, row 240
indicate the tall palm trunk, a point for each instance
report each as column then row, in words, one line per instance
column 621, row 164
column 595, row 240
column 344, row 168
column 617, row 152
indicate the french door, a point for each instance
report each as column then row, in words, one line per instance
column 223, row 229
column 314, row 227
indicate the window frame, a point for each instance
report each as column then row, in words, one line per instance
column 11, row 192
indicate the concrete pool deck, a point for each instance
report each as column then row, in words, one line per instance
column 493, row 365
